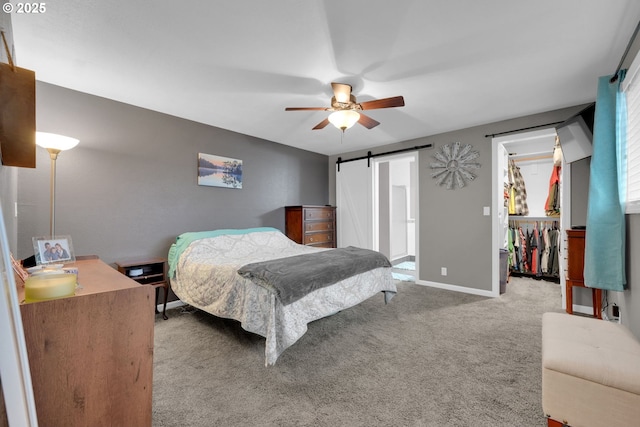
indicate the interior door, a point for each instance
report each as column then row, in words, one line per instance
column 354, row 204
column 502, row 209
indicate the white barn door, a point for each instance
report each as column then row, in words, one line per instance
column 354, row 204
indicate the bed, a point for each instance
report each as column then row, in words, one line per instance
column 204, row 272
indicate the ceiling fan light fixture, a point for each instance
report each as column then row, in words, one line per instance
column 344, row 119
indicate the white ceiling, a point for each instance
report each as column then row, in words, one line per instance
column 237, row 64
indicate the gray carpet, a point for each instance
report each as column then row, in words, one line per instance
column 429, row 358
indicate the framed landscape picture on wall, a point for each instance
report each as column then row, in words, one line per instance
column 218, row 171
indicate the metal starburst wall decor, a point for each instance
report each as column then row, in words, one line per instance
column 454, row 165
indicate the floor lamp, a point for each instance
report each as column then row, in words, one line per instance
column 54, row 144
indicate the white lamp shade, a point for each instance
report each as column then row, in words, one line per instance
column 344, row 119
column 55, row 141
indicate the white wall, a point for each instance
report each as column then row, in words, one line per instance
column 536, row 175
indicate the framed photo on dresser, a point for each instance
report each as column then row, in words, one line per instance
column 53, row 250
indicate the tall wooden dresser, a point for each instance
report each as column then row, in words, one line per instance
column 311, row 225
column 575, row 268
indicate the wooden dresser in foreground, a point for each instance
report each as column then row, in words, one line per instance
column 91, row 355
column 311, row 225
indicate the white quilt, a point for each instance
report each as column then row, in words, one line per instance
column 206, row 277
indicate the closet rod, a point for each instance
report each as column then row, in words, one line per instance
column 624, row 55
column 369, row 156
column 533, row 221
column 537, row 153
column 519, row 130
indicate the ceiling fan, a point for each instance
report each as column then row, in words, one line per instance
column 346, row 111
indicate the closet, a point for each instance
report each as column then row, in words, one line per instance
column 532, row 194
column 530, row 197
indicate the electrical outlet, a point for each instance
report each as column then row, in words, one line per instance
column 443, row 271
column 615, row 311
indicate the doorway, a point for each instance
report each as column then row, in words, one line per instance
column 377, row 208
column 396, row 191
column 535, row 150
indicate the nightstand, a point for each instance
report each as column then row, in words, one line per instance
column 148, row 271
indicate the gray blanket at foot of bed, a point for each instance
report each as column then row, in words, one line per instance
column 294, row 277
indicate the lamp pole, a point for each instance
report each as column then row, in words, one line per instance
column 53, row 153
column 54, row 144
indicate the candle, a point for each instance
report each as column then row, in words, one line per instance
column 49, row 286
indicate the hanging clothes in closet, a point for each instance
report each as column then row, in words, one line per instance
column 552, row 205
column 518, row 192
column 533, row 248
column 533, row 244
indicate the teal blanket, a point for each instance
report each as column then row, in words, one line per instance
column 185, row 239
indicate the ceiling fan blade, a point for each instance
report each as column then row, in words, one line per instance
column 305, row 109
column 321, row 125
column 395, row 101
column 367, row 121
column 342, row 92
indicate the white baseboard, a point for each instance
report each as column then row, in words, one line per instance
column 456, row 288
column 171, row 304
column 583, row 309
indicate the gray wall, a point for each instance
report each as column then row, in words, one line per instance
column 455, row 234
column 580, row 191
column 130, row 186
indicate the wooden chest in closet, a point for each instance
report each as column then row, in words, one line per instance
column 311, row 225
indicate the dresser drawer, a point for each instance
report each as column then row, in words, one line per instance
column 313, row 214
column 317, row 238
column 318, row 226
column 313, row 225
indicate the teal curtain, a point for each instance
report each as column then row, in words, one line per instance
column 604, row 258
